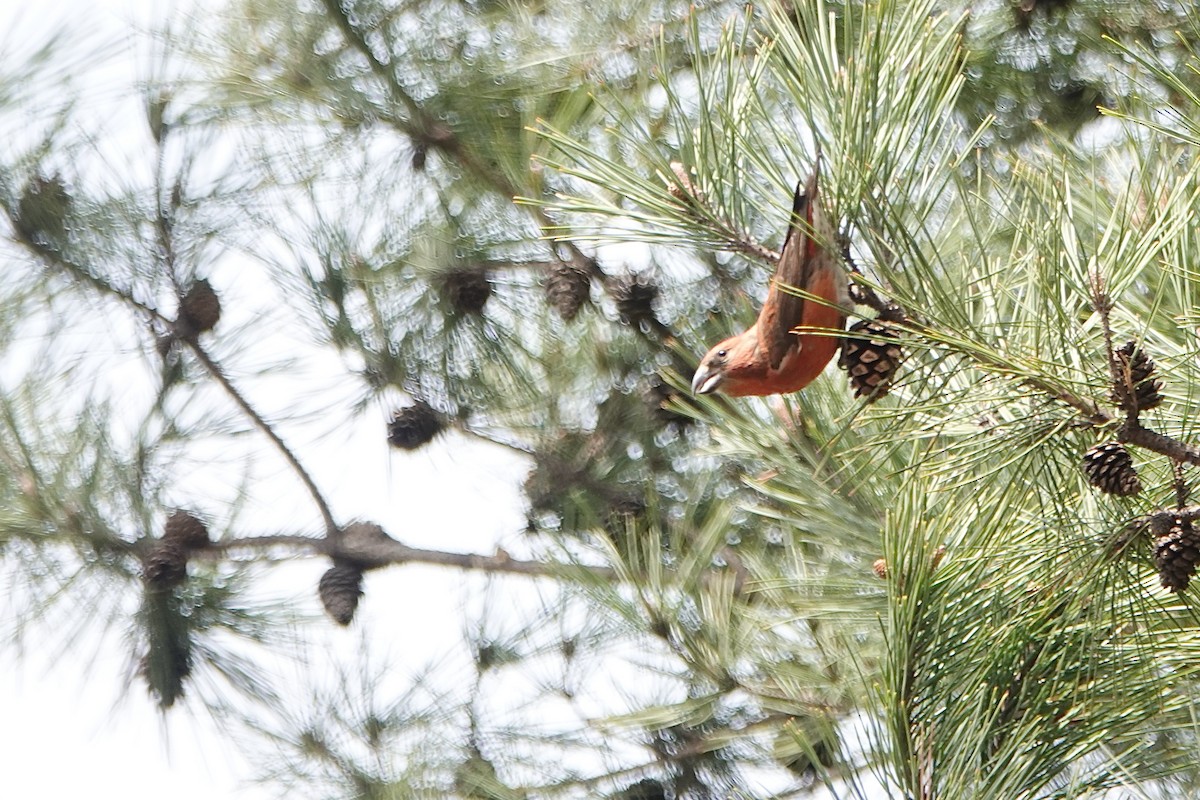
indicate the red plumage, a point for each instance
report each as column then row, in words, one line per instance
column 793, row 339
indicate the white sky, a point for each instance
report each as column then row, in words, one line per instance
column 69, row 728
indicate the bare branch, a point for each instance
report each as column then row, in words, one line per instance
column 214, row 369
column 1133, row 432
column 381, row 551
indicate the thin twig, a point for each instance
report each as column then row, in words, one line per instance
column 214, row 369
column 1181, row 487
column 1102, row 304
column 421, row 125
column 892, row 311
column 864, row 294
column 385, row 551
column 54, row 258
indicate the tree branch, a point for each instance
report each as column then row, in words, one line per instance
column 214, row 369
column 1133, row 432
column 371, row 552
column 54, row 258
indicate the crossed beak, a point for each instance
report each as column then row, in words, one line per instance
column 705, row 380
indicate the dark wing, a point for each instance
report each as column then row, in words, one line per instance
column 783, row 310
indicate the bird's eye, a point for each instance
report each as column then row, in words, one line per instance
column 722, row 353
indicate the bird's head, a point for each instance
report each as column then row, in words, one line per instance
column 727, row 366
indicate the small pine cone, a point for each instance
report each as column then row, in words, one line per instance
column 186, row 530
column 880, row 568
column 42, row 211
column 1133, row 361
column 1176, row 553
column 339, row 588
column 199, row 310
column 683, row 188
column 635, row 299
column 871, row 355
column 415, row 426
column 165, row 566
column 658, row 396
column 1109, row 468
column 467, row 290
column 645, row 789
column 567, row 289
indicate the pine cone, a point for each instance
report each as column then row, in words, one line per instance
column 645, row 789
column 339, row 589
column 42, row 211
column 871, row 355
column 635, row 299
column 165, row 566
column 567, row 289
column 467, row 290
column 1109, row 468
column 1176, row 553
column 1133, row 362
column 683, row 188
column 199, row 310
column 186, row 531
column 658, row 395
column 415, row 426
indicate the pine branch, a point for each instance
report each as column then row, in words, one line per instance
column 422, row 126
column 214, row 369
column 1133, row 432
column 381, row 551
column 891, row 311
column 435, row 134
column 54, row 258
column 699, row 208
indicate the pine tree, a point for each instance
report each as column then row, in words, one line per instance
column 519, row 225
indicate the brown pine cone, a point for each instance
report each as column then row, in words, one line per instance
column 871, row 355
column 567, row 289
column 186, row 530
column 340, row 588
column 1176, row 553
column 415, row 426
column 635, row 298
column 1109, row 468
column 1134, row 365
column 165, row 565
column 199, row 310
column 467, row 290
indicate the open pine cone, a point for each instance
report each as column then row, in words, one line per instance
column 871, row 355
column 1109, row 468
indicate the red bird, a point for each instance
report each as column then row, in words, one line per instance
column 771, row 357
